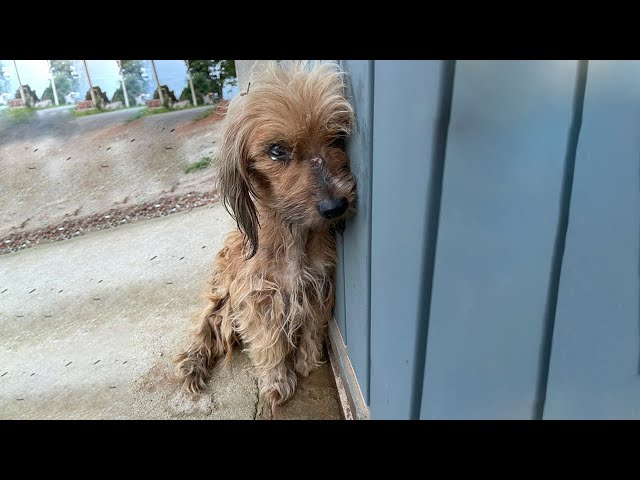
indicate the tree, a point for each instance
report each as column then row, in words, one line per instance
column 118, row 96
column 202, row 84
column 186, row 95
column 101, row 97
column 136, row 79
column 63, row 87
column 30, row 95
column 5, row 86
column 169, row 96
column 48, row 95
column 66, row 67
column 66, row 77
column 226, row 71
column 211, row 76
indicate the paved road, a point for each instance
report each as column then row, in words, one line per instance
column 88, row 327
column 49, row 116
column 60, row 121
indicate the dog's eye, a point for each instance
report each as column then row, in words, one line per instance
column 339, row 142
column 278, row 152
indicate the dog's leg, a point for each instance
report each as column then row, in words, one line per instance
column 309, row 352
column 206, row 346
column 262, row 328
column 212, row 337
column 271, row 356
column 308, row 356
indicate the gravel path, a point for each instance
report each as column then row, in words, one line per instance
column 114, row 217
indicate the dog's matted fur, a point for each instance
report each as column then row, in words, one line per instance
column 285, row 178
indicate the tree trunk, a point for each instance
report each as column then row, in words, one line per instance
column 217, row 87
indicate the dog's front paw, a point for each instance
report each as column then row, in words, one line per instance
column 304, row 366
column 277, row 388
column 192, row 371
column 308, row 357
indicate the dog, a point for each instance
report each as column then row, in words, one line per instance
column 284, row 176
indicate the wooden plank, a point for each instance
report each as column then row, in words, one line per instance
column 339, row 307
column 501, row 191
column 407, row 101
column 594, row 366
column 357, row 235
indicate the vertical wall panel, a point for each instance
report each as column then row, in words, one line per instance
column 356, row 256
column 594, row 371
column 501, row 192
column 407, row 100
column 339, row 308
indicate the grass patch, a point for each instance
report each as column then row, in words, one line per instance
column 148, row 111
column 53, row 105
column 208, row 112
column 155, row 111
column 95, row 111
column 18, row 115
column 137, row 115
column 84, row 113
column 201, row 164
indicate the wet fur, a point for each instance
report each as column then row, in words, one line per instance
column 272, row 288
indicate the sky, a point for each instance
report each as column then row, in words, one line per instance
column 104, row 73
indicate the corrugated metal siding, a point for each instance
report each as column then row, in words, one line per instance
column 478, row 264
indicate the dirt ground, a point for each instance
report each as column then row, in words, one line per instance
column 56, row 167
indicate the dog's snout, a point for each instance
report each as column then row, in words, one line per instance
column 333, row 207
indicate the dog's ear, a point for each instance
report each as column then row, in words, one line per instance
column 233, row 178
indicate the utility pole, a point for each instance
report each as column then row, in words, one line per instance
column 124, row 85
column 193, row 92
column 24, row 100
column 153, row 64
column 93, row 95
column 53, row 85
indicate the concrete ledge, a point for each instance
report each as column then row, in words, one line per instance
column 351, row 399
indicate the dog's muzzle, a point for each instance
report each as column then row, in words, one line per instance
column 333, row 207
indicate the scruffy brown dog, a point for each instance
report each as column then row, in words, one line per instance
column 285, row 178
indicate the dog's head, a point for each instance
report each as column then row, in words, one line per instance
column 283, row 149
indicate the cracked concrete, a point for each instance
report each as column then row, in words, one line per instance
column 88, row 327
column 255, row 406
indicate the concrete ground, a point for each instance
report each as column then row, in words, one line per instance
column 88, row 327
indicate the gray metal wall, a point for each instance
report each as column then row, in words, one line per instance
column 492, row 269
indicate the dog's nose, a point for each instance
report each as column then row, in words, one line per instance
column 333, row 207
